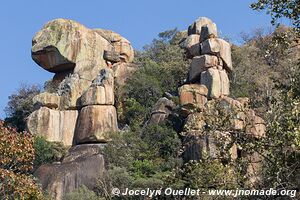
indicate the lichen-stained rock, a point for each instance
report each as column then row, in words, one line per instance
column 95, row 123
column 121, row 45
column 45, row 99
column 101, row 92
column 59, row 77
column 122, row 71
column 54, row 125
column 63, row 45
column 83, row 165
column 219, row 47
column 192, row 44
column 193, row 96
column 71, row 89
column 204, row 27
column 161, row 110
column 200, row 64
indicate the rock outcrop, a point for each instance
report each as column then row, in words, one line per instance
column 83, row 165
column 86, row 64
column 206, row 93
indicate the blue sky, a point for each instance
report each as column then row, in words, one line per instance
column 138, row 20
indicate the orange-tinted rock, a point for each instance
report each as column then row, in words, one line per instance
column 95, row 123
column 193, row 95
column 54, row 125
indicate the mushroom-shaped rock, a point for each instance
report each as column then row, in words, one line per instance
column 63, row 45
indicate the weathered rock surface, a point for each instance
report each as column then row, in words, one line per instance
column 191, row 43
column 193, row 95
column 203, row 27
column 122, row 71
column 161, row 110
column 101, row 92
column 218, row 47
column 95, row 123
column 216, row 81
column 120, row 45
column 70, row 90
column 200, row 64
column 54, row 125
column 63, row 45
column 84, row 165
column 194, row 122
column 198, row 145
column 46, row 99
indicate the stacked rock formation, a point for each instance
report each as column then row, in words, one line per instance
column 211, row 57
column 86, row 63
column 79, row 109
column 207, row 88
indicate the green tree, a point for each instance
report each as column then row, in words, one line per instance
column 289, row 9
column 162, row 68
column 47, row 152
column 20, row 106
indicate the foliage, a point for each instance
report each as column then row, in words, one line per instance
column 16, row 159
column 263, row 54
column 81, row 193
column 20, row 106
column 18, row 186
column 16, row 150
column 209, row 173
column 142, row 158
column 47, row 152
column 282, row 145
column 162, row 68
column 280, row 9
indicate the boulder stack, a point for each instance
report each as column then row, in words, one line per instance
column 79, row 110
column 207, row 89
column 86, row 64
column 211, row 57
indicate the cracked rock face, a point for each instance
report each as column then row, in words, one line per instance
column 86, row 63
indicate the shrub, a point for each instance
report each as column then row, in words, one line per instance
column 81, row 193
column 16, row 159
column 20, row 106
column 47, row 152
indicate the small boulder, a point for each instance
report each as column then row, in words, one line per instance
column 193, row 96
column 192, row 45
column 46, row 99
column 161, row 110
column 200, row 64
